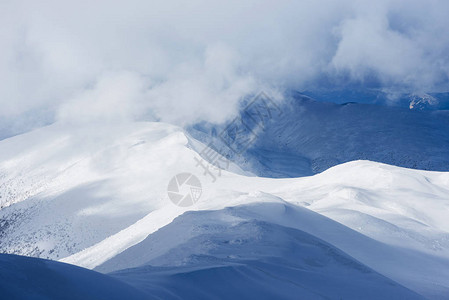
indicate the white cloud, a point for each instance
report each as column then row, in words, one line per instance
column 184, row 60
column 115, row 97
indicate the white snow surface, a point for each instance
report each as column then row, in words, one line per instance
column 96, row 196
column 30, row 278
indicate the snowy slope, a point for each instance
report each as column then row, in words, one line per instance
column 39, row 279
column 311, row 136
column 401, row 233
column 87, row 195
column 231, row 254
column 78, row 186
column 75, row 187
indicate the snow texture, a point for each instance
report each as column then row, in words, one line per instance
column 96, row 197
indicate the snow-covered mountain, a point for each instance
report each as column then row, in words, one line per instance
column 233, row 254
column 96, row 196
column 33, row 278
column 357, row 94
column 423, row 101
column 308, row 137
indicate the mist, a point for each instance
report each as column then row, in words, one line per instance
column 181, row 62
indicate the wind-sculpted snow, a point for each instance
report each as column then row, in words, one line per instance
column 99, row 194
column 231, row 254
column 85, row 176
column 38, row 279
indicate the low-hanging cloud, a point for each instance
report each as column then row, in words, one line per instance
column 182, row 61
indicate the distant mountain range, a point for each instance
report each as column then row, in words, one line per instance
column 309, row 136
column 427, row 101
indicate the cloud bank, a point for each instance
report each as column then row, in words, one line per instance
column 182, row 61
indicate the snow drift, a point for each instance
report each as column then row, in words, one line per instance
column 96, row 197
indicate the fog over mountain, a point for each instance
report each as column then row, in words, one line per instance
column 224, row 149
column 305, row 137
column 181, row 62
